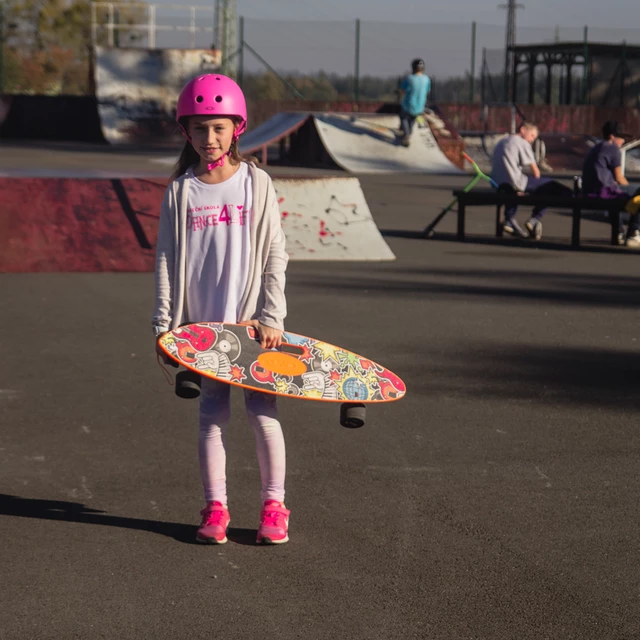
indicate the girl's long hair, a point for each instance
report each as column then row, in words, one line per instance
column 189, row 156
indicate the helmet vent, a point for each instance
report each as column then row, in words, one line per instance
column 218, row 98
column 199, row 99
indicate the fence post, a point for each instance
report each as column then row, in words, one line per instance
column 241, row 53
column 192, row 27
column 483, row 67
column 152, row 26
column 623, row 71
column 472, row 82
column 94, row 24
column 1, row 48
column 356, row 79
column 110, row 25
column 585, row 69
column 116, row 27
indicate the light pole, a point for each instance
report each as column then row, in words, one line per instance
column 511, row 8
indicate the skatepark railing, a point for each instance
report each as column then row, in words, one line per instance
column 130, row 14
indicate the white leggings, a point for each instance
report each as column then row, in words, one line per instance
column 215, row 412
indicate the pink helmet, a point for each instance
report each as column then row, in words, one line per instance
column 213, row 95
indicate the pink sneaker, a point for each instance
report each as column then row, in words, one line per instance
column 274, row 523
column 215, row 520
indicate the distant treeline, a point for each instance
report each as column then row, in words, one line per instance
column 331, row 86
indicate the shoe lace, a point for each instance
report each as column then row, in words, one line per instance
column 213, row 517
column 273, row 519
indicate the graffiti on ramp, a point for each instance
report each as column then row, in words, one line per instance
column 137, row 90
column 329, row 219
column 111, row 225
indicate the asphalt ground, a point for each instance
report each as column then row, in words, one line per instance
column 497, row 500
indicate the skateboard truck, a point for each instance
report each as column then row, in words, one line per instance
column 352, row 415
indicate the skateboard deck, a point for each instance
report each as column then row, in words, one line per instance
column 302, row 368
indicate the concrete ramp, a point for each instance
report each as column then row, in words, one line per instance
column 357, row 144
column 272, row 131
column 329, row 219
column 369, row 145
column 137, row 90
column 73, row 225
column 78, row 225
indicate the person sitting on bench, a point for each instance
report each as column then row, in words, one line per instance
column 602, row 177
column 511, row 155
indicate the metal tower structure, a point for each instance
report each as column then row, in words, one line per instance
column 226, row 35
column 512, row 6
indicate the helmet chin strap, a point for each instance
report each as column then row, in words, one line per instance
column 219, row 162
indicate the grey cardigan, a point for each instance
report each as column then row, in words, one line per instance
column 263, row 297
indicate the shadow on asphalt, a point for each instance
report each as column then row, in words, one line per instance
column 63, row 511
column 596, row 378
column 131, row 214
column 588, row 290
column 557, row 244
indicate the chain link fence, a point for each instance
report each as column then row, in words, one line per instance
column 46, row 47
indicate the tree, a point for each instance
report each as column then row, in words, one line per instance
column 269, row 87
column 48, row 43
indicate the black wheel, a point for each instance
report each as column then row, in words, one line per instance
column 187, row 384
column 352, row 415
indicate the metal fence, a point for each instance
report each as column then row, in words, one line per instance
column 465, row 62
column 360, row 59
column 144, row 25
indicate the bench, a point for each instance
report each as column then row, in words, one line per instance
column 576, row 204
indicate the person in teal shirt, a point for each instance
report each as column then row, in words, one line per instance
column 415, row 89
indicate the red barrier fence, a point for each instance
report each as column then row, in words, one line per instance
column 76, row 117
column 576, row 119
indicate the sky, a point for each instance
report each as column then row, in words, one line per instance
column 312, row 35
column 614, row 13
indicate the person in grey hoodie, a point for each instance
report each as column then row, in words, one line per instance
column 221, row 257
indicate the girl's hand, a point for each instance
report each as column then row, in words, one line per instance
column 270, row 338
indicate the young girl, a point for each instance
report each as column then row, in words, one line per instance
column 221, row 258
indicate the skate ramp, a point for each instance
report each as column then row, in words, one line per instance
column 137, row 90
column 78, row 225
column 329, row 219
column 51, row 118
column 357, row 144
column 93, row 225
column 370, row 145
column 273, row 130
column 256, row 141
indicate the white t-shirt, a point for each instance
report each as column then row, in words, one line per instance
column 218, row 246
column 509, row 157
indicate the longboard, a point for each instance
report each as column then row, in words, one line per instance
column 303, row 368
